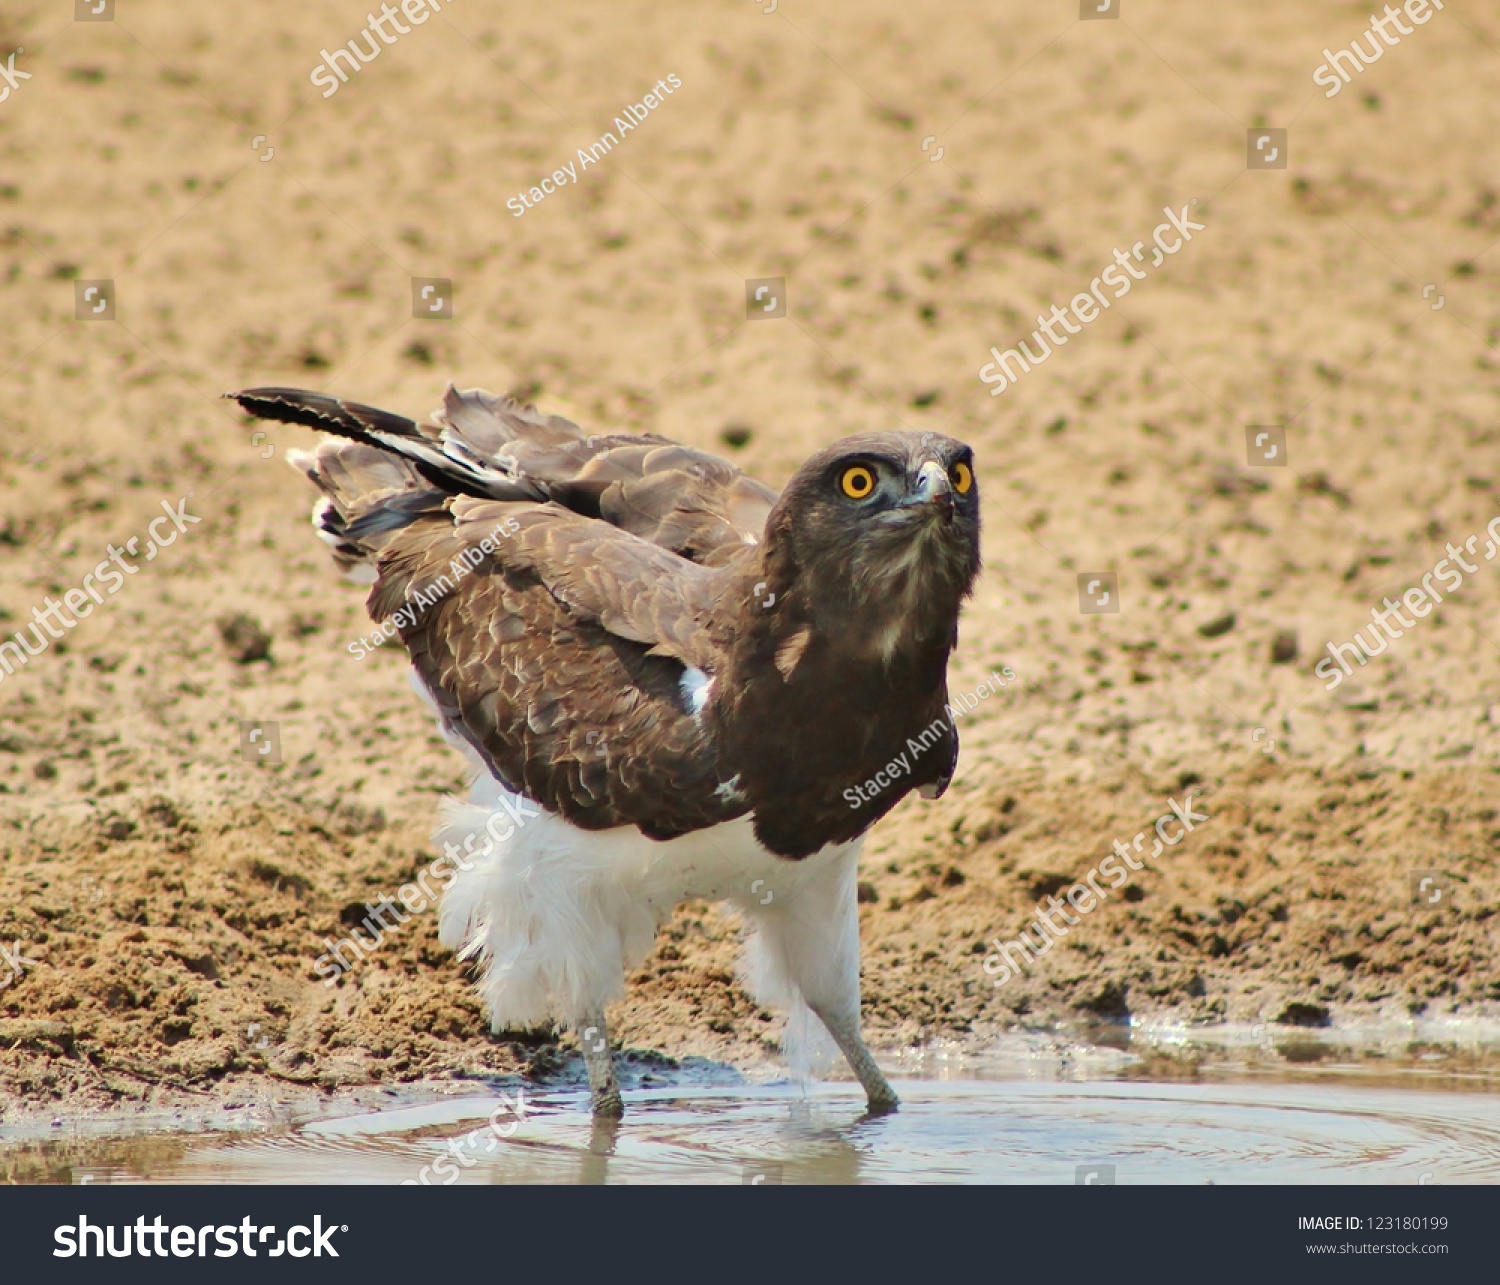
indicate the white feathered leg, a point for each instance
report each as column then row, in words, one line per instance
column 805, row 952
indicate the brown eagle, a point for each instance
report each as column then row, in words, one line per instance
column 668, row 679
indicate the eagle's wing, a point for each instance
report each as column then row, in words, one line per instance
column 560, row 657
column 685, row 500
column 553, row 643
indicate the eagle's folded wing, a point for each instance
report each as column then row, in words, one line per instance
column 597, row 573
column 560, row 656
column 934, row 769
column 556, row 646
column 553, row 590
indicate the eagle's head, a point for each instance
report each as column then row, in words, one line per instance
column 879, row 534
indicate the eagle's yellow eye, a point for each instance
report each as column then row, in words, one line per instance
column 858, row 483
column 963, row 478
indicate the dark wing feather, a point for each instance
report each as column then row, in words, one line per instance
column 688, row 501
column 935, row 767
column 600, row 575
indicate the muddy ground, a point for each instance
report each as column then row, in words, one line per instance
column 925, row 181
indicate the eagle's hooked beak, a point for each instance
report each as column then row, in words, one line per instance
column 933, row 487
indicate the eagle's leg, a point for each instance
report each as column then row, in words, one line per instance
column 845, row 1032
column 807, row 947
column 593, row 1037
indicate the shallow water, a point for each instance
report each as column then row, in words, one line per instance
column 1321, row 1115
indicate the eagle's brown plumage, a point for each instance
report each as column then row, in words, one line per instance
column 554, row 589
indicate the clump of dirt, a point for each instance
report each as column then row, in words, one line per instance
column 168, row 946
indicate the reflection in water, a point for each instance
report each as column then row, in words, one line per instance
column 593, row 1170
column 1339, row 1118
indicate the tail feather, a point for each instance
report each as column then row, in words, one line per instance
column 366, row 491
column 383, row 471
column 318, row 410
column 467, row 450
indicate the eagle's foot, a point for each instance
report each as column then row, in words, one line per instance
column 608, row 1104
column 604, row 1089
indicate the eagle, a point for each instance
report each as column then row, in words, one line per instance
column 670, row 682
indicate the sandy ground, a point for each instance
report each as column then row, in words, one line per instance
column 925, row 180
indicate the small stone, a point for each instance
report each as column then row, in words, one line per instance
column 1284, row 648
column 867, row 894
column 1352, row 696
column 119, row 828
column 245, row 637
column 1218, row 626
column 736, row 436
column 1301, row 1013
